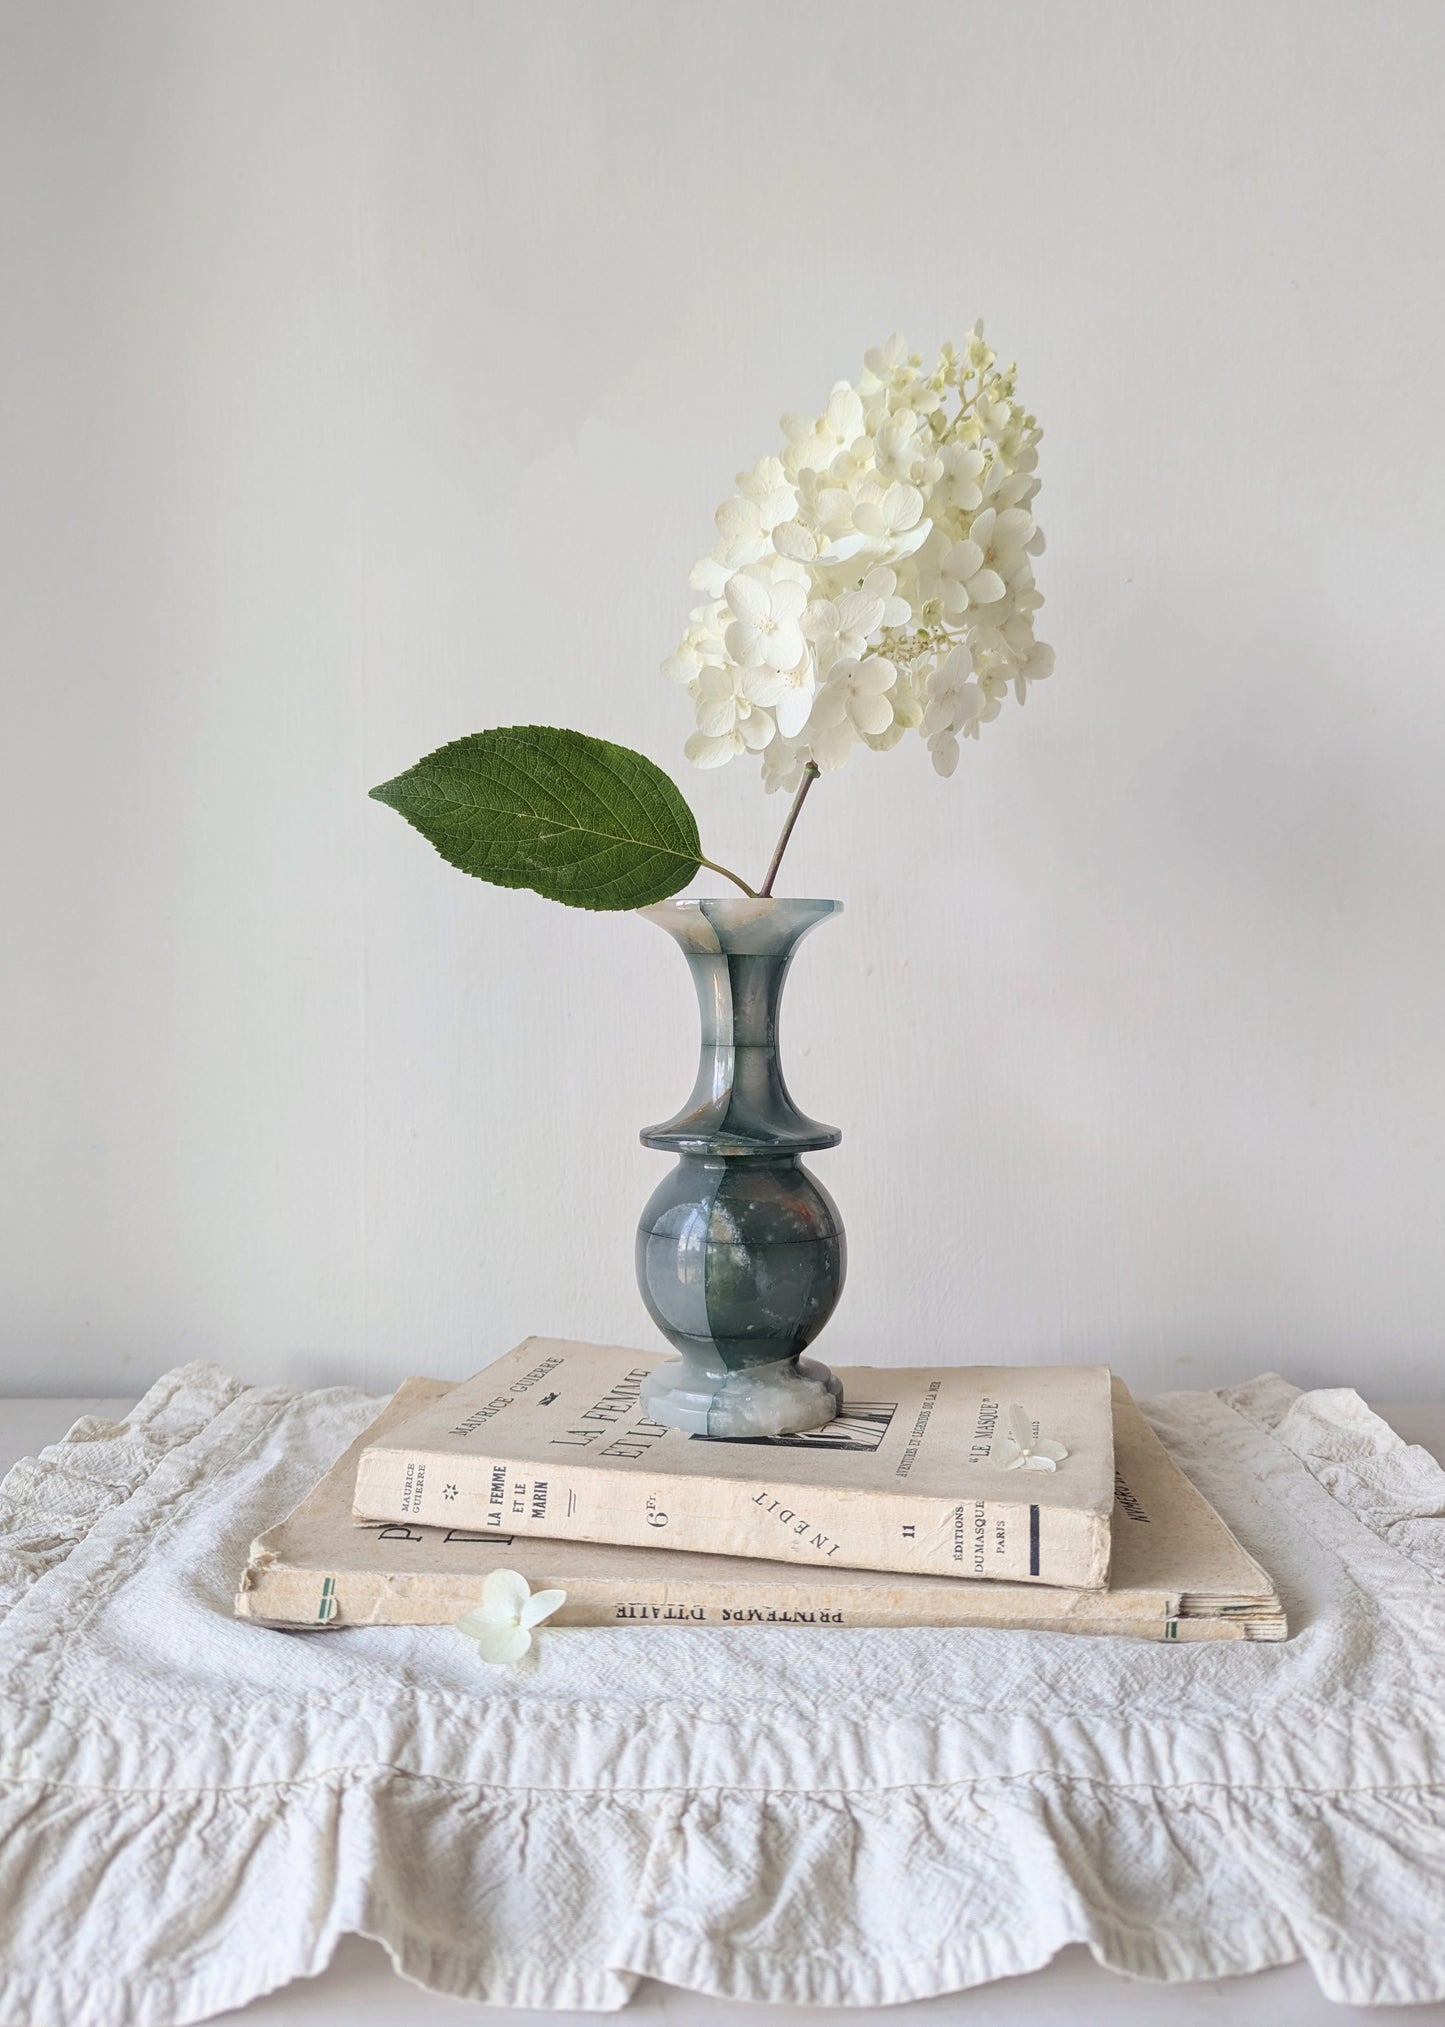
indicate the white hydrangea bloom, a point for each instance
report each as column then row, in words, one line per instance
column 956, row 704
column 501, row 1625
column 1018, row 1449
column 728, row 721
column 964, row 578
column 851, row 704
column 893, row 517
column 764, row 632
column 783, row 764
column 959, row 487
column 841, row 626
column 875, row 576
column 812, row 446
column 789, row 693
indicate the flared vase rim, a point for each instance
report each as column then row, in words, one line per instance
column 738, row 908
column 767, row 925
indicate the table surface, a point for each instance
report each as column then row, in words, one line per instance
column 359, row 1988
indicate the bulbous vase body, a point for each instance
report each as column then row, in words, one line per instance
column 740, row 1252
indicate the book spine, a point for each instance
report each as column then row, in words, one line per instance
column 1009, row 1540
column 316, row 1599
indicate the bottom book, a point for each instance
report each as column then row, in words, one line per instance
column 1177, row 1571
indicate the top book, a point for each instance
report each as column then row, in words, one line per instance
column 552, row 1441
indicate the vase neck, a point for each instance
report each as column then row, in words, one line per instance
column 739, row 953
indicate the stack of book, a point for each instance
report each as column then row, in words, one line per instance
column 914, row 1507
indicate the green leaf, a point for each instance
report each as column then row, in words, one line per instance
column 577, row 819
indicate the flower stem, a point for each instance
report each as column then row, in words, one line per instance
column 713, row 867
column 810, row 775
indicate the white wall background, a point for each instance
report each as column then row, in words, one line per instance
column 370, row 373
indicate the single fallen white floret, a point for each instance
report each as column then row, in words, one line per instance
column 501, row 1625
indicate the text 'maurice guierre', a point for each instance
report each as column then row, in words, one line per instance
column 483, row 1414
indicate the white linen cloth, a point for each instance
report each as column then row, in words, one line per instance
column 193, row 1809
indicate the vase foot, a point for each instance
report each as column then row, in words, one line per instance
column 783, row 1399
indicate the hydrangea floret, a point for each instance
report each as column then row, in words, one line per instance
column 502, row 1624
column 874, row 576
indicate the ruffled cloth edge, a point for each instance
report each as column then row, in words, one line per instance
column 437, row 1873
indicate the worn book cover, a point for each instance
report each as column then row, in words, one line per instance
column 553, row 1441
column 1178, row 1573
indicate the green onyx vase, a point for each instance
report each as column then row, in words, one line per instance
column 740, row 1252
